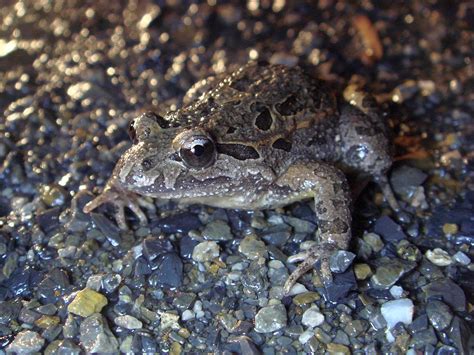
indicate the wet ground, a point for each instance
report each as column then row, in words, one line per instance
column 72, row 75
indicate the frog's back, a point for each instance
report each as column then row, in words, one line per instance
column 256, row 103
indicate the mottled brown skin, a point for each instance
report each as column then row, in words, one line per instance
column 264, row 136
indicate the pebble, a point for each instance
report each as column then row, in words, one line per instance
column 338, row 349
column 396, row 311
column 96, row 336
column 128, row 322
column 448, row 291
column 271, row 318
column 439, row 257
column 461, row 258
column 405, row 179
column 387, row 274
column 374, row 241
column 341, row 260
column 439, row 314
column 312, row 317
column 26, row 342
column 306, row 298
column 87, row 302
column 169, row 272
column 169, row 320
column 362, row 271
column 450, row 228
column 187, row 315
column 389, row 230
column 253, row 248
column 217, row 230
column 205, row 251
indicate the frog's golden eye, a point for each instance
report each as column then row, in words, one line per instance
column 198, row 152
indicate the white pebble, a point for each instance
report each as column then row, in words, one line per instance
column 398, row 311
column 439, row 257
column 461, row 258
column 312, row 317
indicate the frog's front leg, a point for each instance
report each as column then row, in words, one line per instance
column 328, row 186
column 120, row 198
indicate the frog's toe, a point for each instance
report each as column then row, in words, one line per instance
column 321, row 252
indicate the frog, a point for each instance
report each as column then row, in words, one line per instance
column 261, row 137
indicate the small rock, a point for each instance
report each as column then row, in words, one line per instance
column 448, row 291
column 439, row 314
column 87, row 302
column 389, row 230
column 338, row 349
column 461, row 258
column 439, row 257
column 128, row 322
column 405, row 179
column 25, row 342
column 205, row 251
column 178, row 223
column 362, row 271
column 253, row 248
column 169, row 320
column 374, row 241
column 312, row 317
column 271, row 318
column 305, row 336
column 217, row 230
column 306, row 298
column 396, row 311
column 154, row 247
column 187, row 315
column 96, row 336
column 169, row 272
column 450, row 228
column 340, row 261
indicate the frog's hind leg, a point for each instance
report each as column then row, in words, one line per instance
column 328, row 186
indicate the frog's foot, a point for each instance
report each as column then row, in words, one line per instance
column 120, row 199
column 319, row 252
column 402, row 216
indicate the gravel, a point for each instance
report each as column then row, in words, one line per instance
column 198, row 279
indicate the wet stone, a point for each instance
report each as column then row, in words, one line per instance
column 154, row 247
column 205, row 251
column 341, row 286
column 186, row 247
column 217, row 230
column 48, row 220
column 111, row 282
column 68, row 347
column 128, row 322
column 362, row 271
column 334, row 348
column 439, row 257
column 87, row 302
column 374, row 241
column 448, row 291
column 388, row 273
column 312, row 317
column 389, row 230
column 96, row 336
column 355, row 327
column 270, row 318
column 396, row 311
column 276, row 235
column 178, row 223
column 405, row 179
column 340, row 261
column 26, row 341
column 9, row 311
column 306, row 298
column 461, row 258
column 253, row 248
column 169, row 272
column 108, row 229
column 184, row 300
column 439, row 314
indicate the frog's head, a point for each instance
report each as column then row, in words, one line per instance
column 171, row 161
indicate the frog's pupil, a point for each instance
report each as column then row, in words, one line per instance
column 198, row 150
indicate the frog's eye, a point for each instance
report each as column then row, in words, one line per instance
column 198, row 152
column 132, row 133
